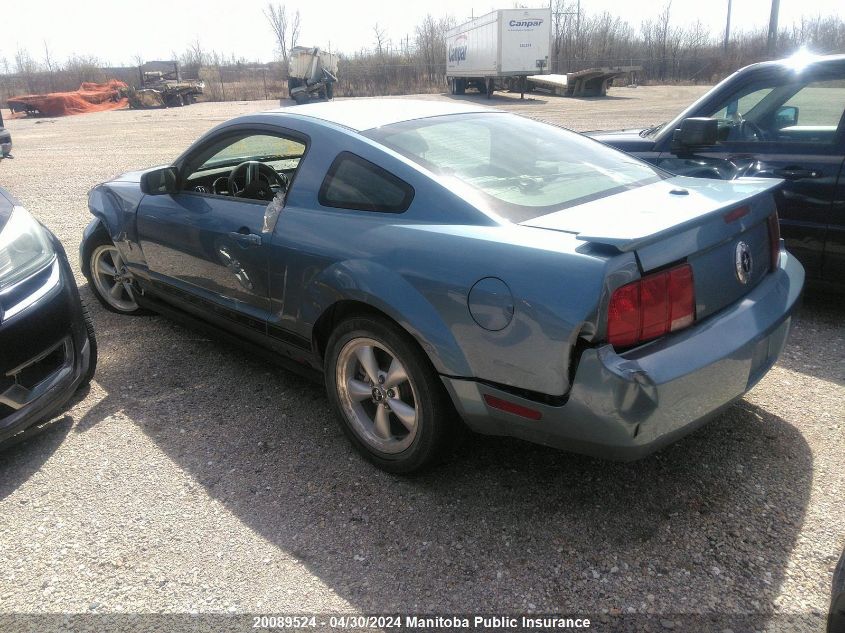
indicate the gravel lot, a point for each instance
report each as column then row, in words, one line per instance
column 191, row 478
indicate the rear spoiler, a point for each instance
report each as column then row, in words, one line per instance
column 664, row 221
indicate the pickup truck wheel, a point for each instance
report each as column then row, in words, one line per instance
column 386, row 394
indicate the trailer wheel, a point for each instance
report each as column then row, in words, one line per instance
column 330, row 91
column 489, row 87
column 458, row 86
column 300, row 97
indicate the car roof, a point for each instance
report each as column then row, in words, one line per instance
column 798, row 61
column 369, row 113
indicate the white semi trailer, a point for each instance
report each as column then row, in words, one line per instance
column 498, row 50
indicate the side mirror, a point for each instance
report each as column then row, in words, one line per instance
column 160, row 181
column 786, row 116
column 695, row 132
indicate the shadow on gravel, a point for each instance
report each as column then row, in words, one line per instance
column 23, row 458
column 705, row 525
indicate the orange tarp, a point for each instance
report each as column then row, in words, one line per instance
column 90, row 97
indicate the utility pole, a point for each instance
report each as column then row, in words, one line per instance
column 773, row 29
column 728, row 26
column 578, row 22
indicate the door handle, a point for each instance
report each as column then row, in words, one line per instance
column 796, row 173
column 250, row 239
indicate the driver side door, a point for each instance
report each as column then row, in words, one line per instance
column 207, row 250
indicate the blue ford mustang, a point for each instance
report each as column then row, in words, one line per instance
column 437, row 262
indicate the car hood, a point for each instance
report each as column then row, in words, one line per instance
column 626, row 140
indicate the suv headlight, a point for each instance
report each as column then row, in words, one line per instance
column 24, row 248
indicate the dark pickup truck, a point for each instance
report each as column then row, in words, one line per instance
column 781, row 119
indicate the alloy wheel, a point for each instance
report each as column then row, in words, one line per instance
column 112, row 279
column 377, row 394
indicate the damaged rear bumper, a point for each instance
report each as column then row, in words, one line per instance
column 627, row 406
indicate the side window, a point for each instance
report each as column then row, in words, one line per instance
column 253, row 165
column 355, row 183
column 818, row 104
column 787, row 112
column 741, row 104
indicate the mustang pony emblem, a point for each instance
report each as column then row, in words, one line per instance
column 743, row 262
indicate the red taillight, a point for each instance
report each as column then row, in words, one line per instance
column 736, row 214
column 774, row 239
column 651, row 307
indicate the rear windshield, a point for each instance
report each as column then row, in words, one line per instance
column 524, row 168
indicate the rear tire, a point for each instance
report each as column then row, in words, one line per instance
column 391, row 405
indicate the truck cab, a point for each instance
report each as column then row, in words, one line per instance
column 782, row 119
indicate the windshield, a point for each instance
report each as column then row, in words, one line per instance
column 524, row 169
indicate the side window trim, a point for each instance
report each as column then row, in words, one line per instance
column 338, row 162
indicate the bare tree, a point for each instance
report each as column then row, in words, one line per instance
column 430, row 44
column 294, row 30
column 26, row 67
column 49, row 66
column 277, row 16
column 381, row 38
column 663, row 19
column 197, row 54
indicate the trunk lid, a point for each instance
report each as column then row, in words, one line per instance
column 714, row 226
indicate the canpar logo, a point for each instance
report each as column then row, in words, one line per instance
column 525, row 24
column 458, row 49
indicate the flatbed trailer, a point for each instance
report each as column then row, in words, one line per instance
column 591, row 82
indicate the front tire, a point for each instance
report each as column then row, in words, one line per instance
column 108, row 276
column 386, row 394
column 92, row 344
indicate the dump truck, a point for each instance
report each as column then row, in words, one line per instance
column 162, row 86
column 312, row 73
column 497, row 51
